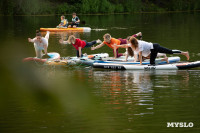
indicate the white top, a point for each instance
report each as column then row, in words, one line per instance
column 145, row 47
column 40, row 45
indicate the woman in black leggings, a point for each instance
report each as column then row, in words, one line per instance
column 145, row 49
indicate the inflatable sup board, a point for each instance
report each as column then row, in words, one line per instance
column 78, row 29
column 175, row 66
column 53, row 56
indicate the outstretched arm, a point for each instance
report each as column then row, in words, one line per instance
column 62, row 41
column 31, row 40
column 98, row 46
column 138, row 34
column 120, row 46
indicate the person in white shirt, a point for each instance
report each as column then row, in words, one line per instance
column 130, row 51
column 40, row 43
column 146, row 49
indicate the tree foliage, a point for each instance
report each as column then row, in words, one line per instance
column 38, row 7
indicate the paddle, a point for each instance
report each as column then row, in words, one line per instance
column 81, row 22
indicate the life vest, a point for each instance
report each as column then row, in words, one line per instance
column 64, row 22
column 75, row 19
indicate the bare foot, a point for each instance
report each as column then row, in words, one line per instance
column 166, row 59
column 98, row 41
column 187, row 55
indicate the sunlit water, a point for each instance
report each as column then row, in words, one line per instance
column 36, row 98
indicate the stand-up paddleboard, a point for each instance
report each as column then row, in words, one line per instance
column 175, row 66
column 77, row 29
column 145, row 62
column 85, row 60
column 102, row 58
column 53, row 56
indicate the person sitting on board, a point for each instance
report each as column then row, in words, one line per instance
column 63, row 22
column 130, row 52
column 146, row 49
column 109, row 41
column 40, row 43
column 75, row 21
column 79, row 44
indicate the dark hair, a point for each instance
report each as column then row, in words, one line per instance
column 38, row 33
column 134, row 42
column 130, row 52
column 73, row 13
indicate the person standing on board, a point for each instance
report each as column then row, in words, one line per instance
column 75, row 21
column 40, row 43
column 79, row 44
column 109, row 41
column 63, row 22
column 146, row 49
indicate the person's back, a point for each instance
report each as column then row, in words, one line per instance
column 145, row 47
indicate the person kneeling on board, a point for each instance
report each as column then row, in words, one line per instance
column 63, row 22
column 40, row 43
column 109, row 41
column 146, row 49
column 79, row 44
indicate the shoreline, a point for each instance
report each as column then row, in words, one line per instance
column 87, row 14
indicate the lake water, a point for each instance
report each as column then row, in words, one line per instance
column 38, row 99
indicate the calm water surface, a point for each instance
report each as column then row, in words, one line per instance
column 38, row 99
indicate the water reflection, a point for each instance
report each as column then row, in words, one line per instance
column 135, row 89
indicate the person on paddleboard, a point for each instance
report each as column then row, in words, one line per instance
column 63, row 22
column 40, row 43
column 79, row 44
column 109, row 41
column 143, row 48
column 130, row 52
column 75, row 21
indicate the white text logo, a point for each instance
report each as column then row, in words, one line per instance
column 179, row 124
